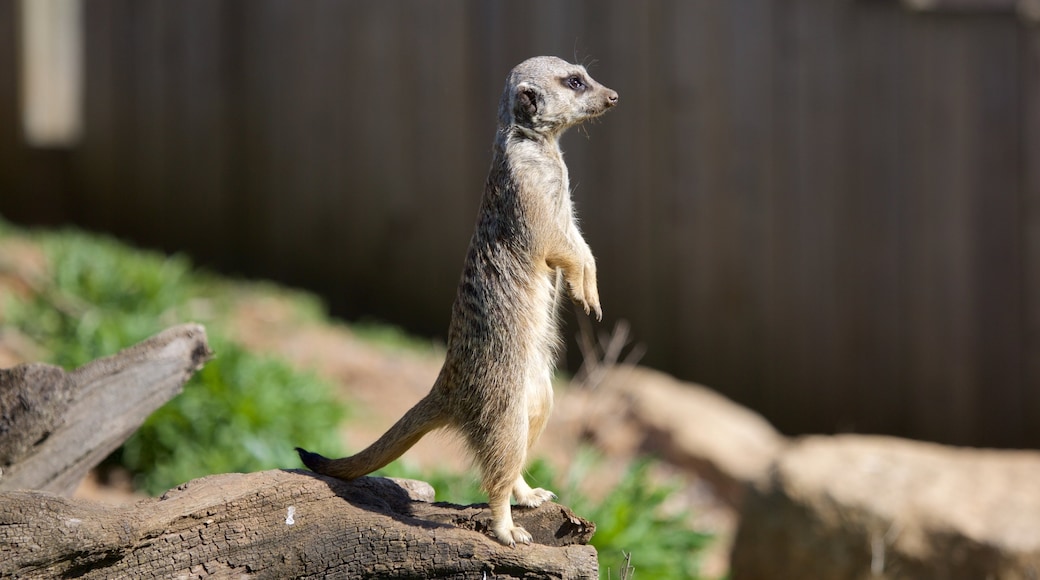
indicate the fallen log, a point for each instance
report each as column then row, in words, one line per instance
column 56, row 426
column 284, row 524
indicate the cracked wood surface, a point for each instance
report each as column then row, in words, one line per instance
column 281, row 524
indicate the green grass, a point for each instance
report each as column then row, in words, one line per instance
column 633, row 519
column 242, row 413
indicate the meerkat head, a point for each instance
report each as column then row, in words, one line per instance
column 546, row 95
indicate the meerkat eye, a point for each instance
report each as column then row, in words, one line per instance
column 575, row 83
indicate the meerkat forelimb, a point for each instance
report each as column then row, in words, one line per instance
column 495, row 387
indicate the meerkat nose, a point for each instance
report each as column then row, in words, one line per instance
column 612, row 98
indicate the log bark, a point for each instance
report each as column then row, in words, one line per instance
column 56, row 426
column 284, row 524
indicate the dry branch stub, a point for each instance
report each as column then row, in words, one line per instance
column 284, row 524
column 56, row 426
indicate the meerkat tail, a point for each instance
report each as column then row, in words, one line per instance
column 424, row 417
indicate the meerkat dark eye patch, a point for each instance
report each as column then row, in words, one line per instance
column 575, row 83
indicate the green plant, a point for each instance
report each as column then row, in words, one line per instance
column 101, row 296
column 242, row 413
column 635, row 534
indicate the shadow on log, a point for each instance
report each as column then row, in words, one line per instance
column 283, row 524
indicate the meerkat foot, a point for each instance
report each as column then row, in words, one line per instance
column 528, row 497
column 512, row 535
column 533, row 497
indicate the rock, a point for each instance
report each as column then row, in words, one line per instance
column 879, row 507
column 697, row 428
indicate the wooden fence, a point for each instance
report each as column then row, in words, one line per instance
column 827, row 210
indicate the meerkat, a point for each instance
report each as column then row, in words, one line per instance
column 495, row 386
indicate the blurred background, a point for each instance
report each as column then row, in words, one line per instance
column 827, row 210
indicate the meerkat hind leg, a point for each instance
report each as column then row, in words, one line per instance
column 502, row 519
column 540, row 402
column 524, row 494
column 502, row 454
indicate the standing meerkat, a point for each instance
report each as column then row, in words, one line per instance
column 495, row 386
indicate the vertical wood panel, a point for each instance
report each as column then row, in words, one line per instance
column 622, row 228
column 1030, row 71
column 148, row 149
column 33, row 182
column 202, row 128
column 827, row 210
column 446, row 173
column 808, row 147
column 940, row 237
column 994, row 152
column 105, row 106
column 870, row 210
column 716, row 207
column 928, row 330
column 9, row 145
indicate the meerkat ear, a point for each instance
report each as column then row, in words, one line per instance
column 526, row 100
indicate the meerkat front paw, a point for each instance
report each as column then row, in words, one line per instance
column 591, row 292
column 581, row 282
column 584, row 291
